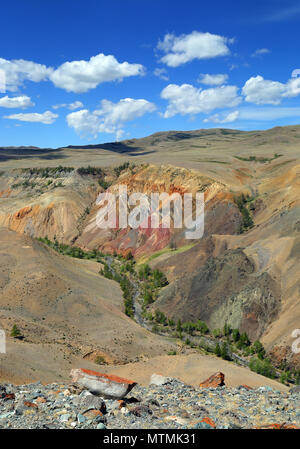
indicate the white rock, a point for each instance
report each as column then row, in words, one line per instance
column 104, row 385
column 158, row 379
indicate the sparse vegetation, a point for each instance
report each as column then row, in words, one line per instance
column 263, row 367
column 104, row 184
column 48, row 172
column 15, row 332
column 260, row 159
column 100, row 360
column 118, row 170
column 94, row 171
column 242, row 201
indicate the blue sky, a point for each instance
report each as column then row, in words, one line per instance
column 92, row 71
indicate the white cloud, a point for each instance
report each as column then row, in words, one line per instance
column 74, row 76
column 110, row 118
column 187, row 99
column 71, row 106
column 292, row 88
column 231, row 117
column 260, row 91
column 196, row 45
column 81, row 76
column 46, row 117
column 17, row 71
column 213, row 80
column 75, row 105
column 16, row 102
column 161, row 73
column 261, row 51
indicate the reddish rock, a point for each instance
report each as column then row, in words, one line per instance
column 92, row 413
column 246, row 387
column 9, row 396
column 205, row 423
column 121, row 403
column 214, row 381
column 54, row 392
column 30, row 404
column 100, row 384
column 40, row 400
column 208, row 421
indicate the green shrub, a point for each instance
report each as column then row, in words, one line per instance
column 104, row 184
column 189, row 328
column 159, row 278
column 94, row 171
column 226, row 330
column 144, row 272
column 118, row 170
column 235, row 335
column 160, row 317
column 262, row 367
column 224, row 352
column 217, row 333
column 257, row 348
column 202, row 327
column 100, row 360
column 218, row 350
column 247, row 222
column 243, row 341
column 179, row 326
column 148, row 298
column 15, row 332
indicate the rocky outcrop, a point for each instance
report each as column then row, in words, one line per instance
column 174, row 405
column 104, row 385
column 214, row 381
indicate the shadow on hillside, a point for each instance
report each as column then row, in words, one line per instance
column 7, row 154
column 116, row 147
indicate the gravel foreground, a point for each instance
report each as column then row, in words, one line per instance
column 174, row 405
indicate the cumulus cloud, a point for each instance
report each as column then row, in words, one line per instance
column 261, row 51
column 74, row 76
column 110, row 118
column 19, row 70
column 231, row 117
column 260, row 91
column 187, row 99
column 81, row 76
column 212, row 80
column 22, row 102
column 196, row 45
column 161, row 73
column 46, row 117
column 71, row 106
column 292, row 88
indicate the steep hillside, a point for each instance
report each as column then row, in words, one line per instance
column 67, row 313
